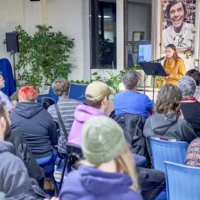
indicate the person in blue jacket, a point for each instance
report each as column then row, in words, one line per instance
column 4, row 98
column 108, row 171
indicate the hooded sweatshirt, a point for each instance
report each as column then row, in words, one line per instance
column 168, row 127
column 81, row 115
column 37, row 126
column 14, row 180
column 89, row 183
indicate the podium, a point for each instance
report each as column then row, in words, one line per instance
column 153, row 69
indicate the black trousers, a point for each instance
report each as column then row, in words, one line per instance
column 151, row 181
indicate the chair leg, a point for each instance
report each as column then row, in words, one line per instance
column 59, row 162
column 63, row 173
column 55, row 184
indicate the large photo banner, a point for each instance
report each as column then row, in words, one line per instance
column 178, row 24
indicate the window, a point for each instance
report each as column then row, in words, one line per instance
column 103, row 34
column 137, row 32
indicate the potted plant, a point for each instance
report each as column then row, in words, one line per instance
column 43, row 56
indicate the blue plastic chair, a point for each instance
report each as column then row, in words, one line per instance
column 77, row 92
column 167, row 151
column 47, row 164
column 51, row 95
column 182, row 182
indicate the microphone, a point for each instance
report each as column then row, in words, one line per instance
column 162, row 58
column 158, row 60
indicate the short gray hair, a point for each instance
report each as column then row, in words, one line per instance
column 130, row 79
column 187, row 86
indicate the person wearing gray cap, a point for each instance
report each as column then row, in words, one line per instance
column 108, row 171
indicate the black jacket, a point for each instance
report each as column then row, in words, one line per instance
column 22, row 150
column 37, row 126
column 133, row 130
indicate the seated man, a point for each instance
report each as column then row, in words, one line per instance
column 8, row 104
column 14, row 180
column 97, row 97
column 130, row 101
column 34, row 123
column 66, row 107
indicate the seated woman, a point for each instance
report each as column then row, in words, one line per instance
column 165, row 123
column 108, row 171
column 34, row 123
column 195, row 74
column 190, row 106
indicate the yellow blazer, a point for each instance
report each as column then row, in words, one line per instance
column 174, row 75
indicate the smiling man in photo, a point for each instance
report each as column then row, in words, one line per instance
column 180, row 33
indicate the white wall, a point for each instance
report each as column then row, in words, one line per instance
column 67, row 17
column 11, row 15
column 137, row 21
column 64, row 15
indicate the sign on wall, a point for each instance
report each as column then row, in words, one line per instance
column 178, row 24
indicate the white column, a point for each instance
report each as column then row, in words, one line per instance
column 86, row 39
column 120, row 34
column 156, row 29
column 197, row 35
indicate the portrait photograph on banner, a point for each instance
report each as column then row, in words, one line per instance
column 178, row 24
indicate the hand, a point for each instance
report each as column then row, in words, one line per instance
column 165, row 77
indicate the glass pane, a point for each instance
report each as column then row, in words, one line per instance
column 137, row 32
column 103, row 34
column 139, row 21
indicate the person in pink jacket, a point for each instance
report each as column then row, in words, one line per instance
column 97, row 98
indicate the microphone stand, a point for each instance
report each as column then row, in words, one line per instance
column 153, row 76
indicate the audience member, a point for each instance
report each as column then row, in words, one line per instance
column 22, row 150
column 190, row 106
column 165, row 123
column 108, row 171
column 97, row 98
column 195, row 74
column 34, row 123
column 97, row 94
column 66, row 107
column 130, row 101
column 193, row 153
column 8, row 104
column 14, row 179
column 173, row 65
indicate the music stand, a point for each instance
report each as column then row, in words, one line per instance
column 153, row 69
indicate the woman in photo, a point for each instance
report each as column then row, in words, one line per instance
column 173, row 65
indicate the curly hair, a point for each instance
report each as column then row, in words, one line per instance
column 169, row 100
column 61, row 86
column 187, row 86
column 195, row 74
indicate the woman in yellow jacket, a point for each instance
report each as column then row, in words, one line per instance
column 173, row 65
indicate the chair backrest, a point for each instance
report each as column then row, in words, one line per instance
column 167, row 151
column 74, row 154
column 47, row 101
column 182, row 182
column 132, row 126
column 77, row 92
